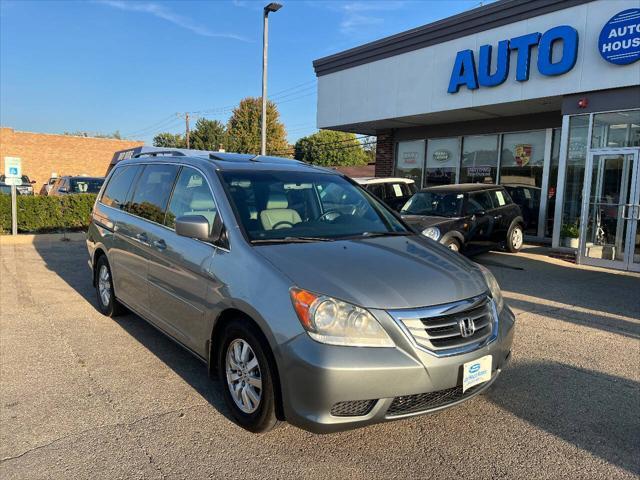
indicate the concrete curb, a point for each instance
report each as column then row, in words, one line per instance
column 27, row 239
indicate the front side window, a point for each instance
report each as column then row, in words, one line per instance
column 500, row 198
column 191, row 196
column 305, row 206
column 435, row 204
column 479, row 202
column 152, row 192
column 117, row 190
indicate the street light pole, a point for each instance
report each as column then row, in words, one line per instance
column 272, row 7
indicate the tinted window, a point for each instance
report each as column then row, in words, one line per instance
column 191, row 196
column 152, row 192
column 86, row 185
column 115, row 195
column 500, row 198
column 479, row 201
column 377, row 189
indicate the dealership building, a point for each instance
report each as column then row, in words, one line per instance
column 542, row 96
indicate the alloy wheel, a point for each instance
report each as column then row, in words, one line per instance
column 244, row 378
column 516, row 238
column 104, row 285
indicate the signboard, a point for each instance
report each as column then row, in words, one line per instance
column 619, row 40
column 13, row 170
column 523, row 154
column 479, row 171
column 441, row 155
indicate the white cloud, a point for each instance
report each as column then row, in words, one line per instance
column 160, row 11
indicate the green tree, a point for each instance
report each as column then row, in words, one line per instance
column 208, row 135
column 243, row 128
column 169, row 140
column 330, row 148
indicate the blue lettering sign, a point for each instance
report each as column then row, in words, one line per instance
column 619, row 40
column 569, row 37
column 523, row 45
column 464, row 72
column 485, row 77
column 565, row 37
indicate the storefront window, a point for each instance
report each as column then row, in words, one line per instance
column 553, row 183
column 479, row 159
column 617, row 129
column 574, row 178
column 521, row 168
column 443, row 158
column 410, row 160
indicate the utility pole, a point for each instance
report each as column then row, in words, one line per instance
column 186, row 119
column 272, row 7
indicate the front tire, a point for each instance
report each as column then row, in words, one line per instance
column 515, row 238
column 452, row 244
column 246, row 372
column 107, row 302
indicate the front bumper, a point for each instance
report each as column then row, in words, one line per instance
column 318, row 376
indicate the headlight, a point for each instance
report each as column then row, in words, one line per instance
column 494, row 288
column 332, row 321
column 432, row 232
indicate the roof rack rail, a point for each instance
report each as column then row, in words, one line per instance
column 162, row 153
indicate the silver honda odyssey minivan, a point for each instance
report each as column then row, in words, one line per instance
column 308, row 298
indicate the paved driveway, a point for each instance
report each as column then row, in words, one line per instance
column 84, row 396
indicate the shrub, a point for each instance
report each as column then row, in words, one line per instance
column 42, row 214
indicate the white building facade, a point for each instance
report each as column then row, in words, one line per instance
column 542, row 96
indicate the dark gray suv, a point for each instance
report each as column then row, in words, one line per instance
column 309, row 299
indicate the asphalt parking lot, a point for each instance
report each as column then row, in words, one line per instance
column 84, row 396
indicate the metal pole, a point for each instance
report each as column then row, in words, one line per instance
column 188, row 133
column 265, row 41
column 14, row 210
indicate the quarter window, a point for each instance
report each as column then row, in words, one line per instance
column 116, row 193
column 191, row 196
column 152, row 192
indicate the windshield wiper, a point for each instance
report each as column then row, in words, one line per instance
column 386, row 234
column 293, row 240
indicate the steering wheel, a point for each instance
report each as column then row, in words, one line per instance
column 325, row 215
column 282, row 224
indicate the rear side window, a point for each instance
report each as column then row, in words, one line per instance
column 152, row 192
column 116, row 193
column 479, row 201
column 191, row 197
column 500, row 198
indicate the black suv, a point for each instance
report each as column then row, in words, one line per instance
column 457, row 215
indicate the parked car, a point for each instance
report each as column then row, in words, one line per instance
column 393, row 191
column 457, row 215
column 69, row 185
column 46, row 187
column 25, row 188
column 307, row 296
column 527, row 197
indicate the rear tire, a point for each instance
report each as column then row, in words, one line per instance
column 452, row 244
column 108, row 304
column 246, row 372
column 515, row 238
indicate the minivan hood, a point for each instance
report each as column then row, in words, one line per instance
column 381, row 272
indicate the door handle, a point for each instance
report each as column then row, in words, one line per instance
column 142, row 237
column 159, row 244
column 497, row 217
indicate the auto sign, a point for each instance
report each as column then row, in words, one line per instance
column 619, row 40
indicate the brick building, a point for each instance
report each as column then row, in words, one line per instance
column 44, row 153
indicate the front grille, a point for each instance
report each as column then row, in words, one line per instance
column 355, row 408
column 438, row 328
column 423, row 402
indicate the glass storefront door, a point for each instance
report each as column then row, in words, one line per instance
column 609, row 235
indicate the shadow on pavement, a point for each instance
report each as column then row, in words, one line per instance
column 596, row 412
column 607, row 294
column 69, row 261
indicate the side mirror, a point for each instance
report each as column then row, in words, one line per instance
column 33, row 182
column 193, row 226
column 63, row 190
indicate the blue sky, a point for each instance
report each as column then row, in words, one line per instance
column 107, row 65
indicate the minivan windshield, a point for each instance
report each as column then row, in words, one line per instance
column 436, row 204
column 285, row 206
